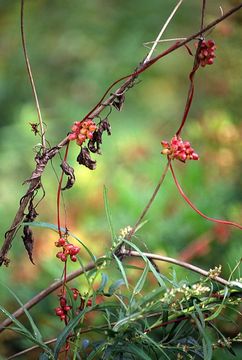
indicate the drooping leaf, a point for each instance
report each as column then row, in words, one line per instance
column 69, row 171
column 115, row 286
column 141, row 281
column 121, row 268
column 84, row 158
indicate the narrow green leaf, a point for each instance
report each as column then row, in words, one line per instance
column 141, row 225
column 64, row 334
column 115, row 286
column 158, row 276
column 220, row 307
column 121, row 268
column 108, row 214
column 141, row 281
column 31, row 321
column 14, row 320
column 134, row 349
column 103, row 283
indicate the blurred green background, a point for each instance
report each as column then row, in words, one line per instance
column 77, row 48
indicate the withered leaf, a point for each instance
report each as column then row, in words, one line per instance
column 28, row 242
column 69, row 171
column 96, row 141
column 28, row 239
column 84, row 158
column 119, row 102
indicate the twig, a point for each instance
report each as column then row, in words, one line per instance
column 92, row 114
column 42, row 131
column 170, row 260
column 123, row 252
column 163, row 30
column 153, row 196
column 203, row 13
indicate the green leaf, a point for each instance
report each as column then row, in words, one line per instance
column 14, row 320
column 121, row 268
column 158, row 276
column 103, row 283
column 108, row 214
column 64, row 334
column 220, row 307
column 115, row 286
column 134, row 349
column 141, row 281
column 36, row 331
column 206, row 343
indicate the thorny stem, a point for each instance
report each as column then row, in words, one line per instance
column 126, row 253
column 42, row 131
column 225, row 222
column 163, row 30
column 92, row 114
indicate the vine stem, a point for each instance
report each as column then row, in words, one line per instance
column 63, row 290
column 127, row 253
column 41, row 125
column 218, row 221
column 153, row 196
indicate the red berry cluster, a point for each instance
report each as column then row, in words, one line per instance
column 64, row 308
column 206, row 54
column 179, row 149
column 82, row 130
column 67, row 250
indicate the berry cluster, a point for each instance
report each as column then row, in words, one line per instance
column 206, row 54
column 67, row 250
column 81, row 131
column 63, row 310
column 179, row 149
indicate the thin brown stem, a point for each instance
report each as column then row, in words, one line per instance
column 176, row 262
column 153, row 196
column 41, row 125
column 203, row 13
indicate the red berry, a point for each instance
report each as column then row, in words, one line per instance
column 67, row 308
column 72, row 136
column 89, row 302
column 63, row 258
column 73, row 258
column 59, row 254
column 62, row 302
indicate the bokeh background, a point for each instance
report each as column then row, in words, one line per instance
column 77, row 48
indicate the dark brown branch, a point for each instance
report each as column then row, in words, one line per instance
column 95, row 112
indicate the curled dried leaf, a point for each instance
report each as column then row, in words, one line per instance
column 118, row 102
column 84, row 158
column 27, row 237
column 69, row 171
column 28, row 241
column 96, row 141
